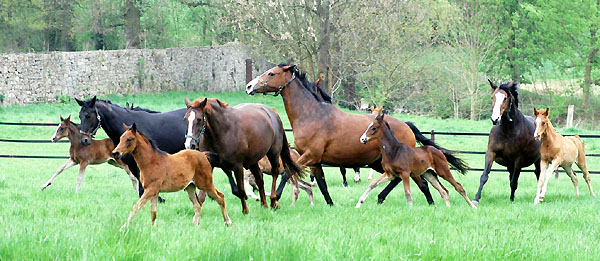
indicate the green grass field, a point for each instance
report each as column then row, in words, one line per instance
column 59, row 224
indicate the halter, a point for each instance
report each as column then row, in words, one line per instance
column 279, row 88
column 197, row 139
column 507, row 112
column 93, row 133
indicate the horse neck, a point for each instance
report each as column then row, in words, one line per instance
column 515, row 115
column 217, row 120
column 299, row 102
column 143, row 153
column 74, row 135
column 550, row 136
column 388, row 142
column 110, row 121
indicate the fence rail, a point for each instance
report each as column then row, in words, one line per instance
column 433, row 133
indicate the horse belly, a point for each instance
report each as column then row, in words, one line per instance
column 176, row 182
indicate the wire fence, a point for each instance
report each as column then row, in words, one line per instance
column 432, row 133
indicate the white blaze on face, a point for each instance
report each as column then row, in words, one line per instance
column 538, row 123
column 54, row 136
column 250, row 86
column 364, row 137
column 191, row 119
column 496, row 110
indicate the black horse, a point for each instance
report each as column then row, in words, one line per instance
column 167, row 129
column 511, row 142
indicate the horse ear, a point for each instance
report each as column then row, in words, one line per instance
column 492, row 84
column 317, row 81
column 69, row 118
column 61, row 118
column 133, row 127
column 546, row 113
column 288, row 67
column 127, row 105
column 514, row 86
column 380, row 116
column 93, row 102
column 188, row 104
column 125, row 127
column 535, row 111
column 222, row 103
column 372, row 108
column 203, row 103
column 80, row 102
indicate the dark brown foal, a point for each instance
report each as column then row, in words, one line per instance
column 400, row 160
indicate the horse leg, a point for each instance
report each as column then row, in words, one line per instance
column 356, row 175
column 540, row 185
column 445, row 173
column 275, row 170
column 62, row 168
column 309, row 159
column 424, row 187
column 148, row 194
column 343, row 172
column 133, row 179
column 489, row 160
column 248, row 187
column 381, row 179
column 308, row 188
column 153, row 209
column 406, row 183
column 219, row 197
column 580, row 162
column 191, row 191
column 437, row 185
column 239, row 176
column 258, row 177
column 514, row 181
column 388, row 189
column 295, row 190
column 569, row 170
column 82, row 166
column 370, row 175
column 284, row 179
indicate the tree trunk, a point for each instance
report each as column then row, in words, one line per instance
column 587, row 80
column 132, row 26
column 473, row 113
column 323, row 57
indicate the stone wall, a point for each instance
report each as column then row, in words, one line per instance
column 46, row 77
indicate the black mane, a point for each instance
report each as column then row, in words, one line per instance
column 511, row 88
column 154, row 147
column 138, row 108
column 321, row 96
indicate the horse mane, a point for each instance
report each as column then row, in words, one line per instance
column 511, row 87
column 321, row 95
column 138, row 108
column 154, row 147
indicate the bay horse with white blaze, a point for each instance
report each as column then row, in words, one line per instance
column 100, row 151
column 404, row 161
column 241, row 135
column 163, row 172
column 323, row 133
column 556, row 151
column 511, row 143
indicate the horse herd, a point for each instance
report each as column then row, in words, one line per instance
column 177, row 150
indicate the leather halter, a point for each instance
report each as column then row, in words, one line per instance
column 197, row 139
column 91, row 134
column 264, row 85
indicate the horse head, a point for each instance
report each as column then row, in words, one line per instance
column 503, row 99
column 273, row 80
column 127, row 142
column 373, row 131
column 62, row 130
column 90, row 120
column 195, row 118
column 542, row 123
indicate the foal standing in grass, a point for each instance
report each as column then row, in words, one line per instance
column 400, row 160
column 98, row 152
column 163, row 172
column 557, row 150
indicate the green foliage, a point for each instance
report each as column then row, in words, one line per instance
column 66, row 99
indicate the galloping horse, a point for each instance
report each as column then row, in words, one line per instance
column 241, row 135
column 404, row 161
column 97, row 153
column 167, row 129
column 163, row 172
column 323, row 133
column 511, row 143
column 557, row 150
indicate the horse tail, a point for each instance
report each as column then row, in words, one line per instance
column 458, row 163
column 291, row 168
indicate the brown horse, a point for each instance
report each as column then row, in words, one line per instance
column 557, row 150
column 323, row 133
column 163, row 172
column 98, row 152
column 295, row 181
column 241, row 135
column 403, row 161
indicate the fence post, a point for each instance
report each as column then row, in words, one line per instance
column 432, row 135
column 248, row 70
column 570, row 111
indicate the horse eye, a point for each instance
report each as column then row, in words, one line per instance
column 374, row 128
column 129, row 139
column 271, row 74
column 543, row 123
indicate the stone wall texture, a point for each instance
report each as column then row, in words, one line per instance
column 48, row 77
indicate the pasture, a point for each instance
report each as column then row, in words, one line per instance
column 59, row 224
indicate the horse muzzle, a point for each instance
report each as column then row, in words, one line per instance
column 495, row 122
column 116, row 155
column 364, row 140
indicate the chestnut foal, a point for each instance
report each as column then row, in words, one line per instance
column 402, row 161
column 163, row 172
column 557, row 150
column 295, row 181
column 97, row 153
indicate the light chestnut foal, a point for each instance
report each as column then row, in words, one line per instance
column 556, row 151
column 163, row 172
column 97, row 153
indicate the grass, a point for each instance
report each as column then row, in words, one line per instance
column 59, row 224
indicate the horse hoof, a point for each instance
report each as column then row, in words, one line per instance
column 312, row 184
column 161, row 200
column 275, row 205
column 475, row 203
column 228, row 223
column 357, row 180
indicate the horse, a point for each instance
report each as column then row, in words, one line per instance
column 98, row 152
column 163, row 172
column 510, row 143
column 138, row 108
column 167, row 128
column 557, row 150
column 323, row 133
column 404, row 161
column 295, row 181
column 241, row 135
